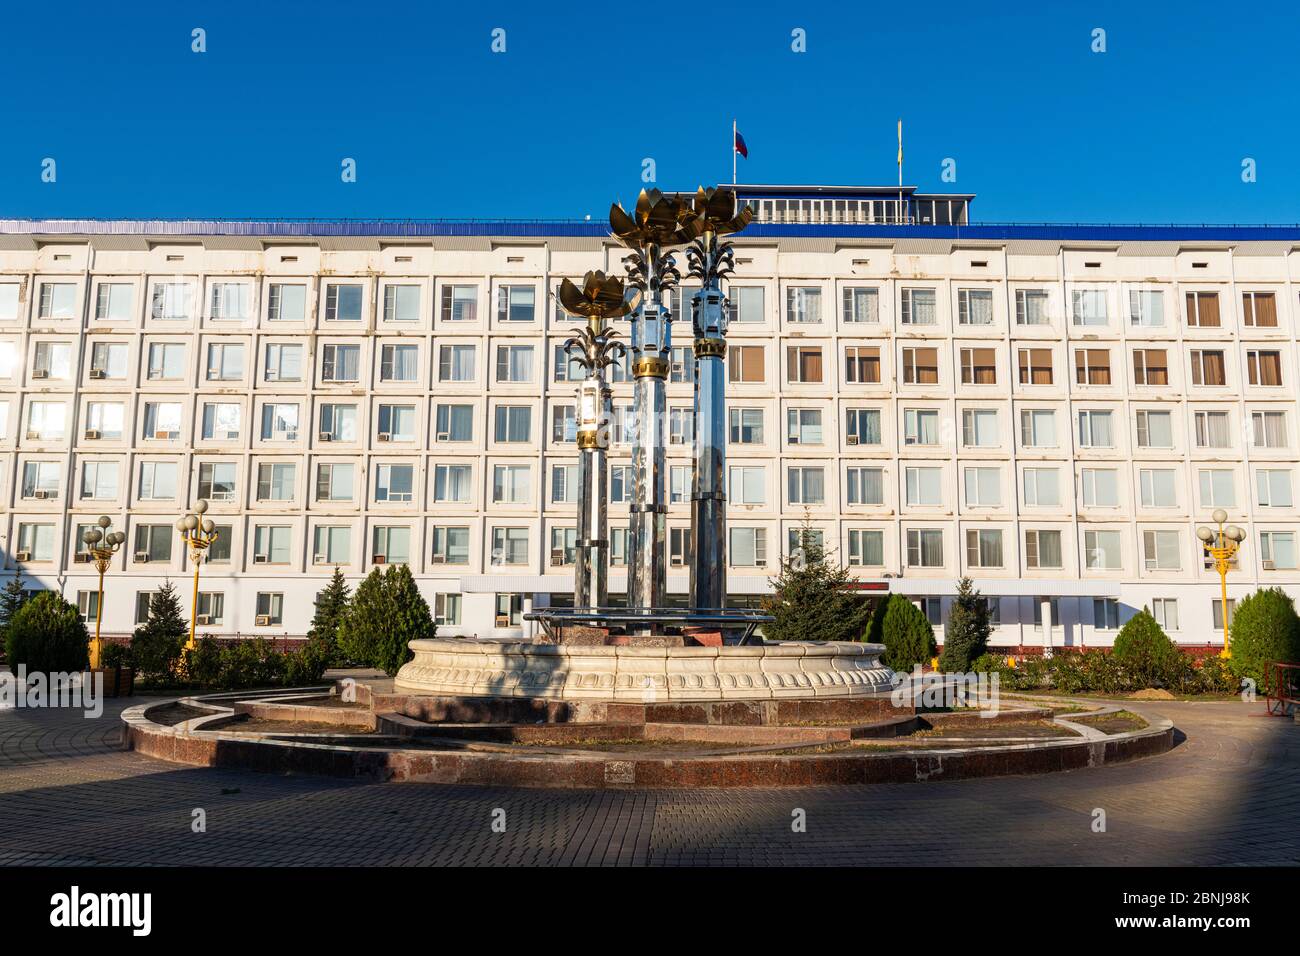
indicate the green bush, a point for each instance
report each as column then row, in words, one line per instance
column 115, row 655
column 47, row 635
column 385, row 614
column 1148, row 656
column 1216, row 677
column 902, row 627
column 1264, row 628
column 203, row 664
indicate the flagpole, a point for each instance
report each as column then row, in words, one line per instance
column 733, row 152
column 900, row 171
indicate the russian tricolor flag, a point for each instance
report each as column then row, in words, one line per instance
column 740, row 145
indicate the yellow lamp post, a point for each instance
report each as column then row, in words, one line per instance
column 1221, row 545
column 101, row 544
column 198, row 533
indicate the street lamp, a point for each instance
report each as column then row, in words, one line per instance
column 101, row 544
column 1221, row 545
column 198, row 533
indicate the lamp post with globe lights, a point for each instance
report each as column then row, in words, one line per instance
column 101, row 544
column 198, row 533
column 1222, row 545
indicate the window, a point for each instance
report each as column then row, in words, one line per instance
column 1101, row 550
column 866, row 548
column 211, row 607
column 108, row 360
column 446, row 608
column 105, row 420
column 514, row 363
column 401, row 303
column 1208, row 367
column 924, row 548
column 1154, row 429
column 803, row 364
column 451, row 483
column 217, row 480
column 514, row 423
column 275, row 481
column 35, row 542
column 745, row 364
column 511, row 484
column 564, row 484
column 45, row 420
column 270, row 609
column 283, row 363
column 1146, row 307
column 564, row 424
column 747, row 485
column 113, row 301
column 230, row 301
column 924, row 486
column 510, row 610
column 171, row 301
column 343, row 302
column 1035, row 366
column 509, row 545
column 1218, row 488
column 391, row 544
column 745, row 303
column 166, row 361
column 459, row 303
column 920, row 366
column 1274, row 487
column 286, row 302
column 682, row 368
column 746, row 426
column 1100, row 487
column 1095, row 429
column 681, row 426
column 1269, row 429
column 339, row 422
column 1042, row 487
column 807, row 486
column 1264, row 367
column 748, row 547
column 1259, row 310
column 920, row 426
column 803, row 426
column 58, row 300
column 567, row 368
column 620, row 484
column 983, row 487
column 918, row 307
column 974, row 306
column 335, row 481
column 9, row 301
column 88, row 605
column 1038, row 428
column 932, row 608
column 340, row 363
column 798, row 539
column 280, row 422
column 52, row 360
column 1165, row 611
column 979, row 367
column 399, row 363
column 865, row 486
column 456, row 363
column 225, row 361
column 1216, row 612
column 1213, row 430
column 153, row 542
column 1157, row 489
column 516, row 303
column 861, row 305
column 451, row 545
column 1089, row 307
column 979, row 427
column 862, row 364
column 862, row 426
column 1043, row 549
column 679, row 484
column 1031, row 307
column 803, row 304
column 564, row 546
column 1203, row 310
column 1277, row 550
column 396, row 423
column 1105, row 614
column 1092, row 366
column 1160, row 550
column 158, row 481
column 394, row 483
column 41, row 480
column 219, row 549
column 455, row 422
column 984, row 548
column 271, row 544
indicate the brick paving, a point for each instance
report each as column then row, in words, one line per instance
column 1225, row 795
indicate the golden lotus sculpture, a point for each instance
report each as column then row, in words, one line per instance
column 656, row 220
column 600, row 297
column 714, row 210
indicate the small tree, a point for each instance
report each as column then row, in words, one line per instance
column 1264, row 628
column 385, row 614
column 902, row 627
column 157, row 644
column 811, row 600
column 1145, row 651
column 966, row 633
column 12, row 598
column 331, row 605
column 47, row 635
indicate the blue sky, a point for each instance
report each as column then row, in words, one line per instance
column 1041, row 128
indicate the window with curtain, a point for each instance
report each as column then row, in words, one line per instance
column 1101, row 550
column 1150, row 367
column 920, row 426
column 1259, row 310
column 1269, row 429
column 1265, row 367
column 861, row 305
column 979, row 367
column 1203, row 310
column 451, row 483
column 1035, row 366
column 866, row 548
column 1146, row 307
column 1100, row 487
column 920, row 366
column 974, row 306
column 862, row 426
column 341, row 363
column 1031, row 307
column 747, row 547
column 1089, row 306
column 918, row 307
column 1092, row 366
column 924, row 486
column 1208, row 367
column 865, row 486
column 1095, row 429
column 1042, row 549
column 925, row 547
column 804, row 364
column 1218, row 489
column 399, row 363
column 979, row 427
column 514, row 363
column 983, row 487
column 862, row 364
column 984, row 548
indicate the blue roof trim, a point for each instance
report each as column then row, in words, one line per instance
column 541, row 229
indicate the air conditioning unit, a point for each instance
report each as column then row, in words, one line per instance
column 384, row 436
column 794, row 439
column 557, row 557
column 40, row 494
column 444, row 436
column 325, row 436
column 379, row 559
column 40, row 373
column 92, row 434
column 97, row 373
column 850, row 439
column 272, row 376
column 262, row 620
column 166, row 436
column 439, row 559
column 81, row 557
column 33, row 436
column 290, row 436
column 675, row 440
column 320, row 559
column 1152, row 564
column 226, row 435
column 205, row 619
column 23, row 556
column 503, row 620
column 261, row 558
column 1270, row 565
column 142, row 556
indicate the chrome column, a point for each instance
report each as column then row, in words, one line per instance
column 709, row 474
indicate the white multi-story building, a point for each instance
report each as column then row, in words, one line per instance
column 1050, row 410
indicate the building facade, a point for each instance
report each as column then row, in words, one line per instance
column 1050, row 410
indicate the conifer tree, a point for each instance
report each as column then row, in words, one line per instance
column 12, row 597
column 331, row 605
column 811, row 600
column 966, row 633
column 156, row 644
